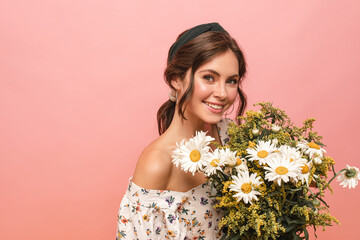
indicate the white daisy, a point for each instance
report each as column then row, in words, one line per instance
column 244, row 186
column 216, row 161
column 230, row 160
column 261, row 152
column 229, row 157
column 241, row 165
column 194, row 154
column 289, row 152
column 202, row 138
column 311, row 148
column 305, row 172
column 177, row 153
column 349, row 177
column 282, row 169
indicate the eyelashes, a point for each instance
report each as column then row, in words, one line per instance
column 235, row 81
column 210, row 78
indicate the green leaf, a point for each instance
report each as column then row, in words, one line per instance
column 298, row 221
column 236, row 237
column 287, row 219
column 323, row 201
column 295, row 236
column 223, row 237
column 295, row 190
column 288, row 228
column 315, row 231
column 306, row 233
column 310, row 204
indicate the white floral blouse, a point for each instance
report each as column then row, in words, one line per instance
column 162, row 214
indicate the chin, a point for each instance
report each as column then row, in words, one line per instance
column 213, row 119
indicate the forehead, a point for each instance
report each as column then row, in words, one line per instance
column 225, row 64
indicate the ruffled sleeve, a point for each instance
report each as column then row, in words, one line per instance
column 150, row 214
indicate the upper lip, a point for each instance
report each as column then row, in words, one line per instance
column 220, row 104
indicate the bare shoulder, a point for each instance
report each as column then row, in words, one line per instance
column 153, row 169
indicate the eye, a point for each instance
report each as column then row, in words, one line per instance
column 209, row 78
column 233, row 81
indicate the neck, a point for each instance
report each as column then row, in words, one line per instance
column 181, row 128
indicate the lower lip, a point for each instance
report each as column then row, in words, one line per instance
column 213, row 110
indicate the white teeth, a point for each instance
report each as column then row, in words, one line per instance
column 213, row 105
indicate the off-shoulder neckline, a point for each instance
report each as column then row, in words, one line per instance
column 168, row 191
column 194, row 188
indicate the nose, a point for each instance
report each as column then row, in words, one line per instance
column 220, row 91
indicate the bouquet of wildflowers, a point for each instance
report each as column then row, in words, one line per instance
column 270, row 177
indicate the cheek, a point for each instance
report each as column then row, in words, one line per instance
column 202, row 90
column 232, row 93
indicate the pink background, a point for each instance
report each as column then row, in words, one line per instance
column 81, row 82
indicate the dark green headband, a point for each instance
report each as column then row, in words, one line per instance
column 193, row 33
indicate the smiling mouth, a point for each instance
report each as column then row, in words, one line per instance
column 215, row 106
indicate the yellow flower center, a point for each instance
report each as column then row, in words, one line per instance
column 246, row 188
column 262, row 154
column 313, row 145
column 214, row 162
column 305, row 169
column 195, row 155
column 281, row 170
column 291, row 160
column 238, row 161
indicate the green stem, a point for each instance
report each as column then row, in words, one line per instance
column 315, row 196
column 283, row 200
column 333, row 169
column 342, row 170
column 327, row 184
column 222, row 176
column 292, row 195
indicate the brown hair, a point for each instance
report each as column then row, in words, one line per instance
column 192, row 55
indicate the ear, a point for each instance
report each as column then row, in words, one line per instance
column 176, row 83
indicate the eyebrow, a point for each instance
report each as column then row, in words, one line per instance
column 216, row 73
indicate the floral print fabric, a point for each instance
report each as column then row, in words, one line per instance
column 162, row 214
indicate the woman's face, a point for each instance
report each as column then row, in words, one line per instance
column 215, row 88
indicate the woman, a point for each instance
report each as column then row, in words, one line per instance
column 204, row 71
